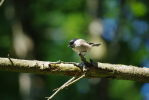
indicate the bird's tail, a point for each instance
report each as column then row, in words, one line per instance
column 95, row 44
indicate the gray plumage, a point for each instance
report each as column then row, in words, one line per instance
column 80, row 45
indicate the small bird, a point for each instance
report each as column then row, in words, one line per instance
column 82, row 46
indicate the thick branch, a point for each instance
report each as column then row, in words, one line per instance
column 96, row 70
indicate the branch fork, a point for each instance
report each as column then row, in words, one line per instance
column 73, row 79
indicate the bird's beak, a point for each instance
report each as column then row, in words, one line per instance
column 69, row 46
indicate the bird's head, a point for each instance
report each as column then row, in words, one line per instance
column 71, row 43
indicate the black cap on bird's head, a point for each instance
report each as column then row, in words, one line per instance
column 71, row 42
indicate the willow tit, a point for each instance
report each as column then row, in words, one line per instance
column 82, row 46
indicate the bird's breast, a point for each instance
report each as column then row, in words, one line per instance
column 82, row 48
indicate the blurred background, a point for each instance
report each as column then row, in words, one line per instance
column 42, row 29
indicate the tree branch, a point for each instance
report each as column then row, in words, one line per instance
column 96, row 70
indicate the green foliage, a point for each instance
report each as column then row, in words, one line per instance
column 119, row 86
column 139, row 9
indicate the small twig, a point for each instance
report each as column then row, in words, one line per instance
column 1, row 2
column 84, row 60
column 60, row 88
column 87, row 64
column 69, row 82
column 56, row 89
column 76, row 80
column 10, row 60
column 82, row 57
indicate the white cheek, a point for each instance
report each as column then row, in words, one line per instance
column 76, row 43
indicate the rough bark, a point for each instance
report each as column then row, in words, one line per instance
column 96, row 70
